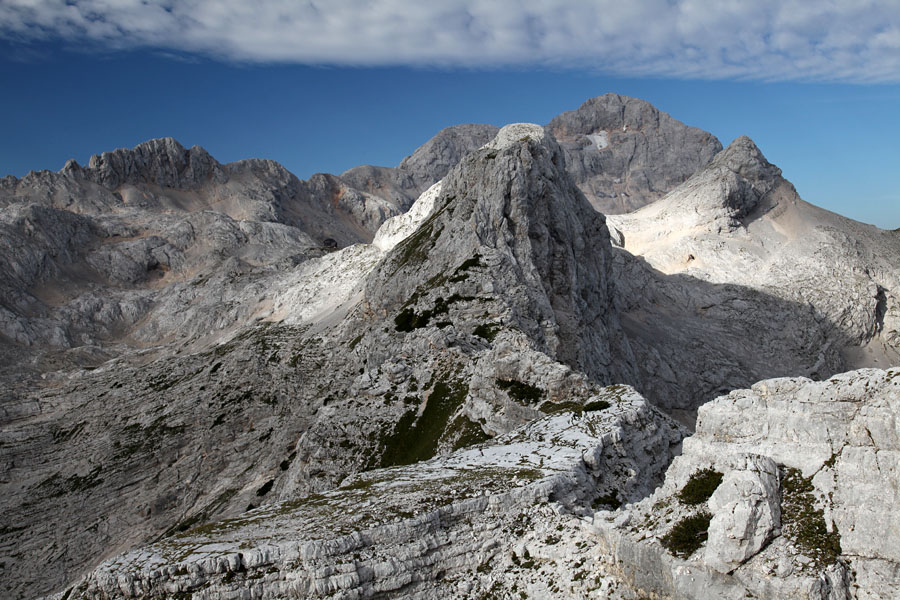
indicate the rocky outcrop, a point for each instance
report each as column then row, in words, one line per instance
column 511, row 230
column 784, row 491
column 453, row 527
column 775, row 516
column 623, row 153
column 163, row 162
column 434, row 159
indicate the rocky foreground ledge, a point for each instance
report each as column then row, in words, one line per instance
column 787, row 490
column 508, row 515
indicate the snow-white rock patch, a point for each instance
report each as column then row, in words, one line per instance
column 396, row 229
column 514, row 133
column 599, row 139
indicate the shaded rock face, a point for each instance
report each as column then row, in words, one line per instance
column 434, row 159
column 423, row 168
column 820, row 283
column 623, row 153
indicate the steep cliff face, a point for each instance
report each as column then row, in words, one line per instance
column 510, row 226
column 623, row 153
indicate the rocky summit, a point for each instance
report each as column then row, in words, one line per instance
column 601, row 358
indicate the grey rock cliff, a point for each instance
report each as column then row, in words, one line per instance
column 623, row 153
column 163, row 162
column 511, row 212
column 429, row 164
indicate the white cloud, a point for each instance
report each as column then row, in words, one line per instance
column 842, row 40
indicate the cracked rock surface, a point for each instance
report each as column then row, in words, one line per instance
column 804, row 508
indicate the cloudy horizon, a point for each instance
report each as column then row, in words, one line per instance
column 768, row 40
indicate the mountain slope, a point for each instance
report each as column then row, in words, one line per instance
column 257, row 363
column 426, row 351
column 738, row 221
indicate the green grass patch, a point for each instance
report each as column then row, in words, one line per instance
column 461, row 272
column 465, row 432
column 803, row 522
column 408, row 319
column 700, row 487
column 414, row 249
column 687, row 535
column 596, row 405
column 521, row 391
column 486, row 331
column 552, row 408
column 416, row 439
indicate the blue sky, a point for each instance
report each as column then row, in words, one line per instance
column 824, row 107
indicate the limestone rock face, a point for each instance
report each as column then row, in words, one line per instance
column 494, row 518
column 623, row 153
column 805, row 505
column 746, row 513
column 163, row 162
column 542, row 254
column 426, row 166
column 434, row 159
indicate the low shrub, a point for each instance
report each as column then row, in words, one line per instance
column 700, row 487
column 687, row 535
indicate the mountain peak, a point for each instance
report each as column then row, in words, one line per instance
column 514, row 133
column 161, row 161
column 624, row 153
column 511, row 233
column 743, row 156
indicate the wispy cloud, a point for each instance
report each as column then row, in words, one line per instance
column 823, row 40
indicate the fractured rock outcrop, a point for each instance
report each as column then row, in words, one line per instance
column 452, row 527
column 804, row 509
